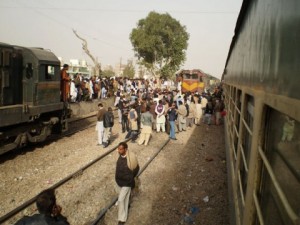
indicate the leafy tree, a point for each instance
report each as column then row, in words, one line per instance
column 129, row 70
column 107, row 73
column 160, row 43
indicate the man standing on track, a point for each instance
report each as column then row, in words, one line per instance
column 126, row 170
column 108, row 123
column 99, row 126
column 182, row 112
column 147, row 120
column 160, row 118
column 172, row 114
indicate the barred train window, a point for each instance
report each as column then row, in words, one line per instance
column 246, row 140
column 283, row 152
column 245, row 146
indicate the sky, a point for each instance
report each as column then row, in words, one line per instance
column 106, row 26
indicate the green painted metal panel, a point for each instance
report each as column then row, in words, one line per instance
column 265, row 51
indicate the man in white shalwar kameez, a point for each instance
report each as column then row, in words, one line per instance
column 160, row 118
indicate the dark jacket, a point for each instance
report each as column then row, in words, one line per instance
column 172, row 114
column 100, row 114
column 124, row 176
column 209, row 108
column 41, row 219
column 108, row 119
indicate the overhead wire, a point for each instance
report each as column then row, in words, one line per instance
column 123, row 10
column 67, row 26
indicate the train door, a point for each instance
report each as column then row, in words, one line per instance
column 1, row 77
column 4, row 76
column 48, row 87
column 10, row 77
column 29, row 78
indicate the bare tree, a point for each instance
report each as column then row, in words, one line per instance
column 97, row 66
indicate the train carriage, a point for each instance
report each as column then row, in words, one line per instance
column 261, row 82
column 30, row 104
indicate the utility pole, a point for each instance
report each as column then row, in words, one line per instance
column 97, row 65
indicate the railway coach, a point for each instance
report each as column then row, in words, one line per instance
column 261, row 82
column 30, row 101
column 196, row 81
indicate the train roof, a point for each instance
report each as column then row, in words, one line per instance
column 43, row 54
column 242, row 14
column 40, row 53
column 192, row 70
column 5, row 45
column 264, row 52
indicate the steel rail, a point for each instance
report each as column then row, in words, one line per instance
column 58, row 184
column 61, row 182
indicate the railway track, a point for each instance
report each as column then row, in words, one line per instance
column 83, row 175
column 185, row 172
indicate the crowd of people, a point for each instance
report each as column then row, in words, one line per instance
column 141, row 111
column 147, row 110
column 79, row 88
column 143, row 106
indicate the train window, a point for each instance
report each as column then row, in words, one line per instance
column 200, row 79
column 236, row 119
column 6, row 58
column 49, row 72
column 280, row 198
column 244, row 147
column 194, row 76
column 29, row 70
column 186, row 76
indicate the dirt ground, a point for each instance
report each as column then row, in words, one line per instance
column 185, row 183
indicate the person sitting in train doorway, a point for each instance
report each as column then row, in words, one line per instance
column 65, row 83
column 182, row 112
column 146, row 120
column 99, row 125
column 49, row 211
column 127, row 169
column 108, row 123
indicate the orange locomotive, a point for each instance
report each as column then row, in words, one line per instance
column 191, row 80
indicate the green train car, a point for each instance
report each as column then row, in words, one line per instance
column 30, row 102
column 261, row 82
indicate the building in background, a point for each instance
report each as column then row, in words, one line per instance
column 77, row 66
